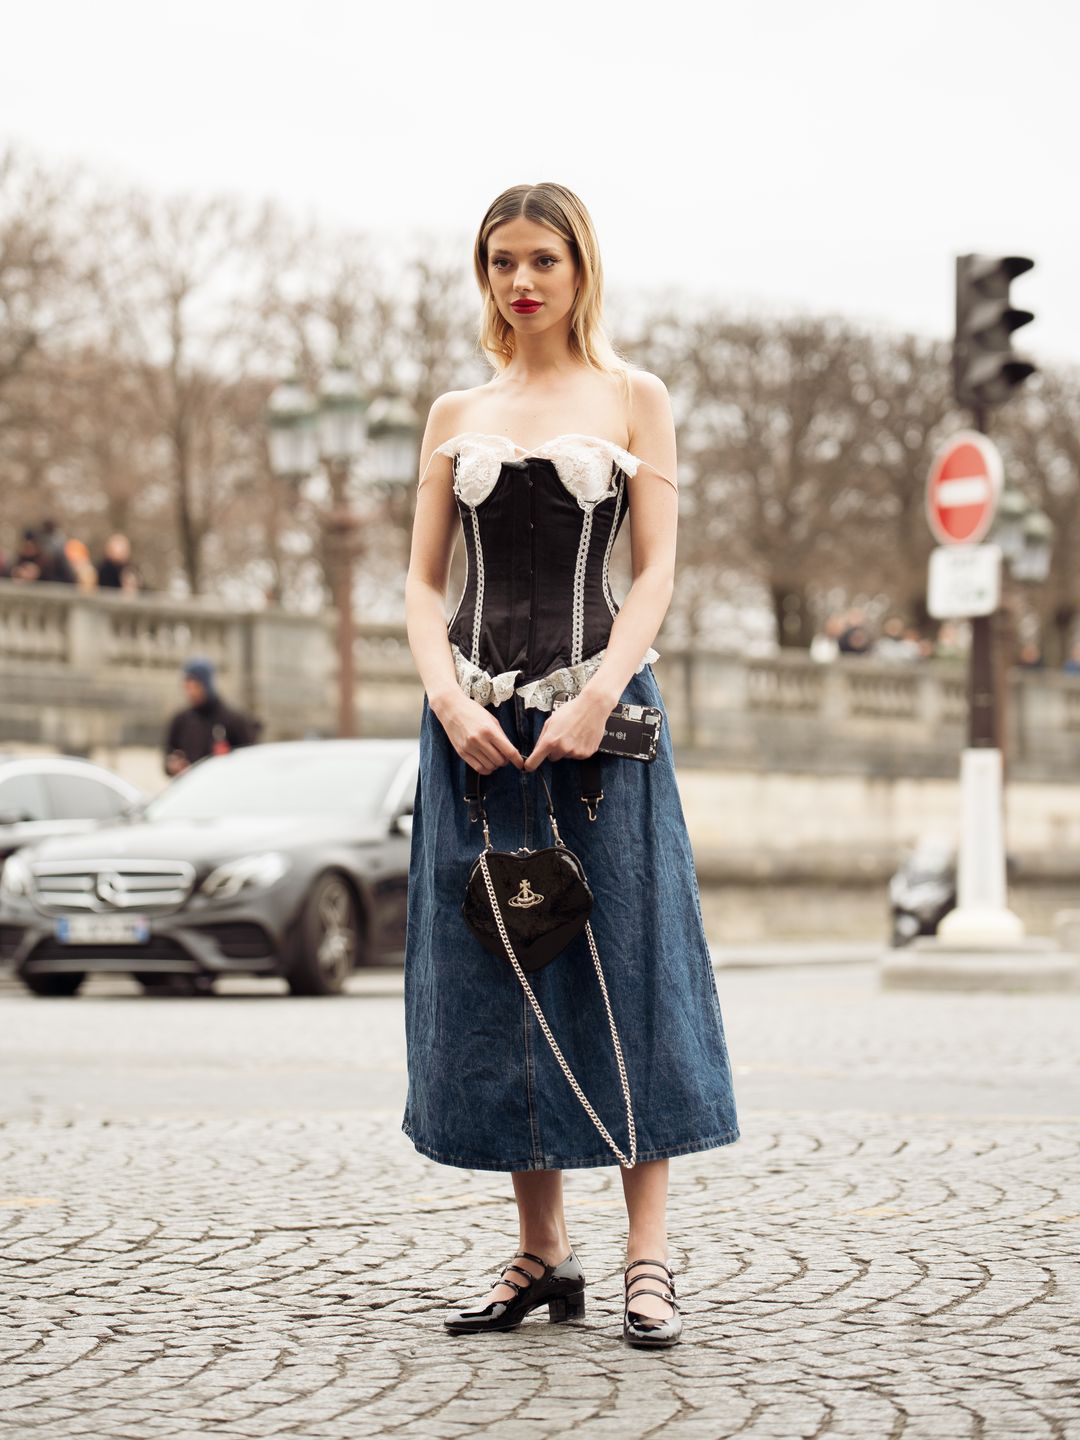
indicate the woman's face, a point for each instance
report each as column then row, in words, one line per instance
column 528, row 262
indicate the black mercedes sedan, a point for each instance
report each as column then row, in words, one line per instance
column 287, row 859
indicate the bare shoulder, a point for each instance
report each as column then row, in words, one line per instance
column 651, row 407
column 446, row 419
column 649, row 392
column 444, row 412
column 652, row 426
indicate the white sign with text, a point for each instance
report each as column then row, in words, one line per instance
column 965, row 581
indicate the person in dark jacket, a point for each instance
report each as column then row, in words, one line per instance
column 57, row 567
column 35, row 561
column 115, row 563
column 208, row 726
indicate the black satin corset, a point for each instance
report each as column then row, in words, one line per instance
column 536, row 595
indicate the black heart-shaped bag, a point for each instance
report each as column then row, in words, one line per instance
column 526, row 906
column 544, row 898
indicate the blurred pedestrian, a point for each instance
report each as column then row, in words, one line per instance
column 953, row 640
column 1029, row 656
column 33, row 562
column 207, row 726
column 115, row 563
column 85, row 571
column 894, row 642
column 924, row 646
column 855, row 637
column 825, row 644
column 1072, row 660
column 56, row 567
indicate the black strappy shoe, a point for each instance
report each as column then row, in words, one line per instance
column 561, row 1288
column 647, row 1331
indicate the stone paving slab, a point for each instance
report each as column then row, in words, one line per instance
column 237, row 1270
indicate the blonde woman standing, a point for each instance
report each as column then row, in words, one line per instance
column 539, row 467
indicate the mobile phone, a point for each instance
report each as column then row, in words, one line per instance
column 632, row 731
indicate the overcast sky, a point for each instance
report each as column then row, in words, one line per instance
column 833, row 156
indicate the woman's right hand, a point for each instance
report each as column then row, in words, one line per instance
column 477, row 736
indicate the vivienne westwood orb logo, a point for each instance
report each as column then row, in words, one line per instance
column 526, row 897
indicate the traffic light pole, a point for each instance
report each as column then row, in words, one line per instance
column 984, row 728
column 982, row 919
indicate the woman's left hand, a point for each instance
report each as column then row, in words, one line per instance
column 573, row 731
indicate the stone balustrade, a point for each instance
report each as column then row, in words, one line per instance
column 79, row 671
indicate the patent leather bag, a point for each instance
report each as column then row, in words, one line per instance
column 526, row 906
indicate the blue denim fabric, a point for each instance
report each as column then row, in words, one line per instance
column 485, row 1091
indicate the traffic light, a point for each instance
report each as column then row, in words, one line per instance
column 985, row 369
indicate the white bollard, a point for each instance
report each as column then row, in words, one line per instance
column 982, row 916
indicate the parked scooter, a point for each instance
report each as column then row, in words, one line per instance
column 923, row 889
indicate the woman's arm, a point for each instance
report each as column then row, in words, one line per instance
column 653, row 499
column 432, row 548
column 472, row 729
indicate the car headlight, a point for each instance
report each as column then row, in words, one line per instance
column 250, row 872
column 16, row 879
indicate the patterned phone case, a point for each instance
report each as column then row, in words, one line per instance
column 632, row 731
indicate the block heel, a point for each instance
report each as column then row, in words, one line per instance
column 567, row 1307
column 560, row 1287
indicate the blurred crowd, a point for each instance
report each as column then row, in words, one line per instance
column 47, row 554
column 849, row 632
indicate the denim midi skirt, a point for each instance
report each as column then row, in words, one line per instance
column 485, row 1090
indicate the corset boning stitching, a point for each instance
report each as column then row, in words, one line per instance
column 536, row 609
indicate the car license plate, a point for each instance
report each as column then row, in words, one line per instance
column 103, row 929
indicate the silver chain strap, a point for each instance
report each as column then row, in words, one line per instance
column 629, row 1164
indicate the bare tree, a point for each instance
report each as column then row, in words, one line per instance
column 903, row 386
column 1040, row 437
column 181, row 297
column 48, row 272
column 776, row 438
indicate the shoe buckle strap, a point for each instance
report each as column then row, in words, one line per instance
column 527, row 1255
column 633, row 1295
column 662, row 1264
column 529, row 1276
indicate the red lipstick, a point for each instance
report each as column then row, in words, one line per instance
column 525, row 307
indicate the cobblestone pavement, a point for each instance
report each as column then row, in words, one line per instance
column 210, row 1225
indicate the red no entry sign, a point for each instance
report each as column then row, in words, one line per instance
column 962, row 489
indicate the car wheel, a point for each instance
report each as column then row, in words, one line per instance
column 327, row 942
column 54, row 984
column 154, row 984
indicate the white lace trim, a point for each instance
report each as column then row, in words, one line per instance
column 538, row 694
column 583, row 463
column 605, row 582
column 479, row 611
column 577, row 629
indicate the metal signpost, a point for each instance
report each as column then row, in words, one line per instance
column 962, row 493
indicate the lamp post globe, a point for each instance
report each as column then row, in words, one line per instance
column 292, row 430
column 342, row 423
column 1008, row 528
column 394, row 432
column 1033, row 562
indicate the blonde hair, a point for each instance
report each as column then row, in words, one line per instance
column 560, row 210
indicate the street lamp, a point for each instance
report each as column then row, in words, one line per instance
column 1032, row 563
column 341, row 421
column 336, row 430
column 1024, row 534
column 293, row 436
column 392, row 431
